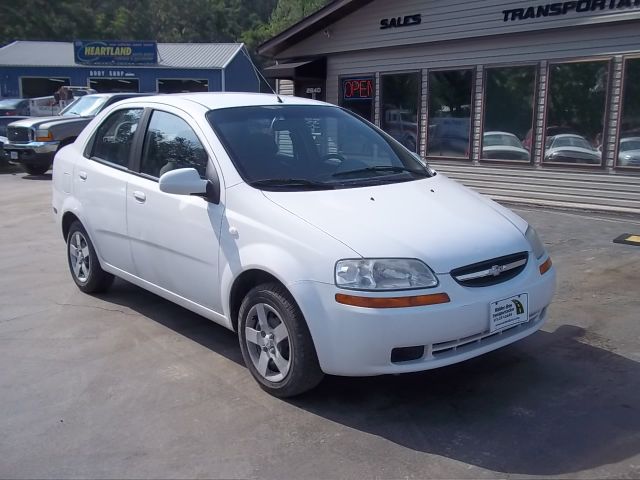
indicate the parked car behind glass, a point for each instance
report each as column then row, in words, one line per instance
column 247, row 210
column 629, row 152
column 34, row 142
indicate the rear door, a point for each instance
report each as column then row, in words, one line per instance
column 174, row 238
column 100, row 183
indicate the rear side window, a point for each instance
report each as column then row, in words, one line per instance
column 171, row 143
column 114, row 137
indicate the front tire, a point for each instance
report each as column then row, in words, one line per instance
column 276, row 343
column 83, row 262
column 33, row 169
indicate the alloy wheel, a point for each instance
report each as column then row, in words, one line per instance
column 79, row 257
column 267, row 340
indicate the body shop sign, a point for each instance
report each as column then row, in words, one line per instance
column 115, row 53
column 564, row 8
column 357, row 88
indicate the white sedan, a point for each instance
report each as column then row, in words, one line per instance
column 503, row 146
column 247, row 210
column 571, row 148
column 629, row 152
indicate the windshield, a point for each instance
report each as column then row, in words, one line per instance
column 572, row 141
column 10, row 102
column 626, row 145
column 87, row 106
column 500, row 139
column 302, row 147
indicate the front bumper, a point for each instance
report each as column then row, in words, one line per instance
column 37, row 153
column 356, row 341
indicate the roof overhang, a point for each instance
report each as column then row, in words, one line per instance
column 307, row 26
column 294, row 70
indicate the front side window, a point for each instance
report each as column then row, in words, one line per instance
column 114, row 137
column 575, row 112
column 629, row 147
column 311, row 147
column 171, row 143
column 400, row 107
column 449, row 113
column 508, row 113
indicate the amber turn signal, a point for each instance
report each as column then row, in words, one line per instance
column 392, row 302
column 544, row 268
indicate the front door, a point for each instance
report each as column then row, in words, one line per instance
column 174, row 238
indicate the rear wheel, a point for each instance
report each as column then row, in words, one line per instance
column 275, row 342
column 83, row 262
column 33, row 169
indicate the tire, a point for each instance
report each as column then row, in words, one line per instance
column 263, row 313
column 32, row 169
column 85, row 268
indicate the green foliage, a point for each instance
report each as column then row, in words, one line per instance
column 251, row 21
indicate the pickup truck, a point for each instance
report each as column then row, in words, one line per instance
column 33, row 142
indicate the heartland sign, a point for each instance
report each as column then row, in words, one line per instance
column 563, row 8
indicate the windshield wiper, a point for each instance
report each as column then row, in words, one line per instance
column 291, row 182
column 381, row 168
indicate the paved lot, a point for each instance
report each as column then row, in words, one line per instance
column 129, row 385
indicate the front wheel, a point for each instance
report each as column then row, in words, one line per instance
column 33, row 169
column 275, row 342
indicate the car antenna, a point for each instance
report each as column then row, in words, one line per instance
column 259, row 73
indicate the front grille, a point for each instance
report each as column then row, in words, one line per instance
column 491, row 272
column 18, row 134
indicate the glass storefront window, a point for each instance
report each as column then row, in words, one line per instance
column 508, row 113
column 575, row 112
column 449, row 113
column 400, row 107
column 629, row 147
column 357, row 95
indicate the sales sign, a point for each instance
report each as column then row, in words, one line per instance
column 115, row 53
column 357, row 88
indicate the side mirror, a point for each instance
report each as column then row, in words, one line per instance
column 183, row 181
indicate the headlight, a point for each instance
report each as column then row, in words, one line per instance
column 536, row 244
column 43, row 135
column 384, row 274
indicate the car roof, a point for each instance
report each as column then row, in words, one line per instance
column 218, row 100
column 629, row 139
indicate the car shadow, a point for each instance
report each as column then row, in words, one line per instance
column 45, row 176
column 182, row 321
column 555, row 403
column 551, row 404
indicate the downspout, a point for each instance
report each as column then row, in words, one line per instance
column 224, row 80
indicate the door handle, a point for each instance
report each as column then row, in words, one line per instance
column 139, row 196
column 82, row 175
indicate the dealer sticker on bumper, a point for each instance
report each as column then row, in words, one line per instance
column 508, row 312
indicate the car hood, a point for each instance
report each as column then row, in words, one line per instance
column 435, row 219
column 32, row 121
column 634, row 154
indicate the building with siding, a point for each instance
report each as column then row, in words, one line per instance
column 34, row 69
column 526, row 101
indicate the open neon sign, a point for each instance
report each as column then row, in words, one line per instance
column 357, row 88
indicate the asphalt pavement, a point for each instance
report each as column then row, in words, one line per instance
column 128, row 385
